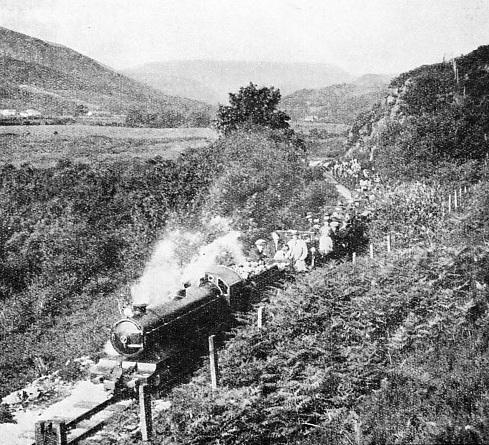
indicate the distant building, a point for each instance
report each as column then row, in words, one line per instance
column 99, row 113
column 8, row 113
column 30, row 113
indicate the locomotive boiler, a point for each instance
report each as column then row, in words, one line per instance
column 201, row 310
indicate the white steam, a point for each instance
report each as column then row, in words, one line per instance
column 185, row 256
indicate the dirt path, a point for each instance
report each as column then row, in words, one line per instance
column 342, row 190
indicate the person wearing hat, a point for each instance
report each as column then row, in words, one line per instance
column 334, row 224
column 298, row 252
column 260, row 252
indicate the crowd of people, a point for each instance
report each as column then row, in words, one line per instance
column 299, row 251
column 352, row 174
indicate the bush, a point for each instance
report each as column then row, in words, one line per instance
column 411, row 212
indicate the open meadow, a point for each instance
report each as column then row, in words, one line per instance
column 44, row 146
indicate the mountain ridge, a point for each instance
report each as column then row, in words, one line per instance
column 217, row 78
column 75, row 78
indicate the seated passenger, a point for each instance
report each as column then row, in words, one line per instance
column 261, row 250
column 282, row 257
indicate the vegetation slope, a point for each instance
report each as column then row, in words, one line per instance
column 339, row 103
column 391, row 350
column 73, row 236
column 54, row 80
column 435, row 117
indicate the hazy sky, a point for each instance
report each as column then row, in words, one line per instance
column 382, row 36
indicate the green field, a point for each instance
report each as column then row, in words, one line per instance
column 45, row 145
column 329, row 127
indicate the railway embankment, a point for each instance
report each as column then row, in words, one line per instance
column 391, row 345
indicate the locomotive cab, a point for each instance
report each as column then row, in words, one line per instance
column 230, row 286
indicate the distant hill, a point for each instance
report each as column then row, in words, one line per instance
column 211, row 80
column 338, row 103
column 53, row 79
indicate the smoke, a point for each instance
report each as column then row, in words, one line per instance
column 182, row 256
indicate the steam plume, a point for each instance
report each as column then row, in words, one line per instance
column 184, row 256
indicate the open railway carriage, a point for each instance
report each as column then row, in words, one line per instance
column 156, row 340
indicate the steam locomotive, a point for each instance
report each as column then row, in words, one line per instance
column 155, row 339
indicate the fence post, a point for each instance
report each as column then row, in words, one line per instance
column 51, row 432
column 145, row 416
column 371, row 251
column 354, row 258
column 389, row 242
column 260, row 317
column 213, row 362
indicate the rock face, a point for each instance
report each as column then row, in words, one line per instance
column 460, row 85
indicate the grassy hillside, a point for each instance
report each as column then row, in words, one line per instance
column 338, row 103
column 54, row 79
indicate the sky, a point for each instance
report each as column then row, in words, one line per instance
column 360, row 36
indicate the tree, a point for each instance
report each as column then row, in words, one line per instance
column 251, row 107
column 81, row 110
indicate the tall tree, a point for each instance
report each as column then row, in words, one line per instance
column 251, row 106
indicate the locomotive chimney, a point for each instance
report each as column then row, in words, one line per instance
column 139, row 308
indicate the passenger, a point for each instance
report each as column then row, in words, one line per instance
column 334, row 227
column 282, row 257
column 246, row 269
column 261, row 250
column 242, row 272
column 260, row 266
column 298, row 252
column 326, row 241
column 276, row 239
